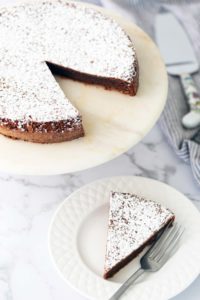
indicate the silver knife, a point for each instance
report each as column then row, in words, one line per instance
column 180, row 60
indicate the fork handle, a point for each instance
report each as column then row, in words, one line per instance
column 127, row 284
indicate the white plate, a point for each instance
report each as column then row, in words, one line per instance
column 113, row 122
column 77, row 240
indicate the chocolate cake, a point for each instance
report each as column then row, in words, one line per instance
column 41, row 38
column 134, row 222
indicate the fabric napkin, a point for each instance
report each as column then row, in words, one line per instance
column 186, row 143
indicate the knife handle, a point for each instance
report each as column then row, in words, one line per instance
column 191, row 92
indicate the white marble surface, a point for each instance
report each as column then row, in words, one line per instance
column 28, row 203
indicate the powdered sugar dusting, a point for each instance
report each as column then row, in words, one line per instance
column 132, row 221
column 64, row 34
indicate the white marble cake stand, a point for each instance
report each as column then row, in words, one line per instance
column 113, row 122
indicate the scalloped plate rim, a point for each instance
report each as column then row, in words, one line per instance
column 82, row 265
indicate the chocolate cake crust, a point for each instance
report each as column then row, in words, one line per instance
column 47, row 132
column 129, row 88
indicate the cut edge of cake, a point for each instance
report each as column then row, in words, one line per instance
column 124, row 207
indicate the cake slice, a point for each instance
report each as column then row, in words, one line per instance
column 134, row 223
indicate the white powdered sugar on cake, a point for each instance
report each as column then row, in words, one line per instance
column 32, row 97
column 66, row 35
column 133, row 220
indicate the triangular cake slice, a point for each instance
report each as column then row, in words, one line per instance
column 134, row 223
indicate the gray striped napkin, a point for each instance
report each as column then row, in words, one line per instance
column 186, row 143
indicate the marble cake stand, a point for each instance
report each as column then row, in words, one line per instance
column 113, row 122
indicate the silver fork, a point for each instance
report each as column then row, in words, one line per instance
column 155, row 257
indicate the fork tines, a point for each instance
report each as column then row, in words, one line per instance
column 166, row 243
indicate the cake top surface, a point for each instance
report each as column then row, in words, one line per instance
column 63, row 33
column 132, row 221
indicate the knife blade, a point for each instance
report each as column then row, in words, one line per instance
column 180, row 60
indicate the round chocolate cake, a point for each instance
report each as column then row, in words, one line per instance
column 64, row 38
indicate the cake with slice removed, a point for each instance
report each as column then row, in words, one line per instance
column 64, row 38
column 134, row 223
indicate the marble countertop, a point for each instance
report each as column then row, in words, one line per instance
column 28, row 203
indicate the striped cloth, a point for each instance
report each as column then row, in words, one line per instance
column 186, row 143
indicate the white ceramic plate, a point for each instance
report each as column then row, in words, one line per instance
column 113, row 122
column 77, row 240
